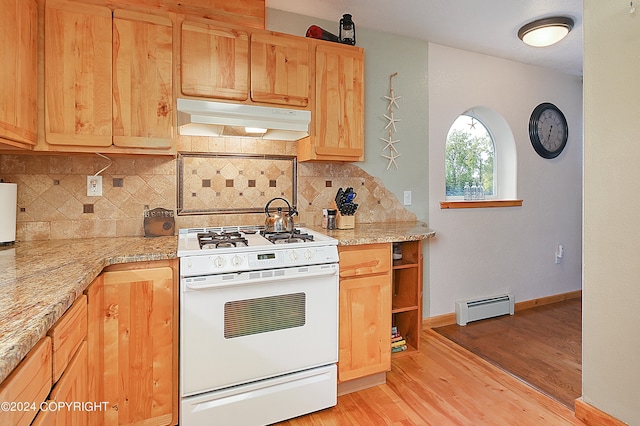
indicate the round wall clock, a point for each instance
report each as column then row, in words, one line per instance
column 548, row 130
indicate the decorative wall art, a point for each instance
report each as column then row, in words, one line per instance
column 390, row 142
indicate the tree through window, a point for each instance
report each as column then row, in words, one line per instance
column 469, row 157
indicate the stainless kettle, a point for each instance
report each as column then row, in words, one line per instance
column 279, row 222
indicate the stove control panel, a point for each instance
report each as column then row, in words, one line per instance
column 256, row 260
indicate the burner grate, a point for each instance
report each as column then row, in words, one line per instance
column 287, row 237
column 221, row 239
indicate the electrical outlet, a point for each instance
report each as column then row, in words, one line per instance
column 94, row 186
column 407, row 198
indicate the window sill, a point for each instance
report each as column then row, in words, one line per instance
column 479, row 204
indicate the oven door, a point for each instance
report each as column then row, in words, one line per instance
column 243, row 327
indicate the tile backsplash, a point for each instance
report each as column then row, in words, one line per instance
column 53, row 201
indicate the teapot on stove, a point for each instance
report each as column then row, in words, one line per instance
column 279, row 221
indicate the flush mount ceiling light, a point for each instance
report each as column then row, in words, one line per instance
column 546, row 31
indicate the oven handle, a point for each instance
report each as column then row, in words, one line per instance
column 315, row 272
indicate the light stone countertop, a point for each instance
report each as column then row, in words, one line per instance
column 381, row 232
column 39, row 280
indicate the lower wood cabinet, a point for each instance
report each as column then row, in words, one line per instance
column 133, row 357
column 365, row 311
column 29, row 383
column 67, row 402
column 69, row 399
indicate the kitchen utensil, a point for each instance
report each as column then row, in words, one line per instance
column 339, row 196
column 279, row 221
column 344, row 201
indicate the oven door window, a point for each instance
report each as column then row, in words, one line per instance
column 264, row 314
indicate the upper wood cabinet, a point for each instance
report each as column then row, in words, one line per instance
column 77, row 57
column 215, row 61
column 244, row 65
column 18, row 73
column 279, row 69
column 142, row 80
column 337, row 126
column 108, row 79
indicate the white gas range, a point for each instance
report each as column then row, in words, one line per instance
column 258, row 325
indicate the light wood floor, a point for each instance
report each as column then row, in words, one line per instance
column 540, row 345
column 444, row 384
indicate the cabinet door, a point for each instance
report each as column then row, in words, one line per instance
column 279, row 69
column 142, row 81
column 365, row 326
column 95, row 346
column 29, row 383
column 338, row 115
column 18, row 73
column 77, row 74
column 214, row 61
column 72, row 388
column 139, row 356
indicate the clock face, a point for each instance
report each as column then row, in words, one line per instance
column 548, row 130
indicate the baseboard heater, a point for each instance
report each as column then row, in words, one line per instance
column 488, row 307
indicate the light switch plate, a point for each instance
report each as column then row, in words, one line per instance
column 407, row 198
column 94, row 186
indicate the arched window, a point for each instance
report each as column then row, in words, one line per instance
column 470, row 159
column 480, row 153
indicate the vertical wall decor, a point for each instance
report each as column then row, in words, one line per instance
column 391, row 127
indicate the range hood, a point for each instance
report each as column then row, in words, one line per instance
column 209, row 118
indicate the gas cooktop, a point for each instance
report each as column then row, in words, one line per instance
column 234, row 249
column 199, row 241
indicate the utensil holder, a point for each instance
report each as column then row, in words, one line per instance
column 345, row 222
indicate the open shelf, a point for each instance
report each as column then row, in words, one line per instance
column 406, row 298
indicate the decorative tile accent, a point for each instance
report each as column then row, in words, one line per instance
column 237, row 183
column 118, row 182
column 87, row 208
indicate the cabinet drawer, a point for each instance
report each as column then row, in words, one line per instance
column 67, row 335
column 29, row 383
column 365, row 259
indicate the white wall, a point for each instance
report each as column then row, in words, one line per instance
column 490, row 251
column 611, row 336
